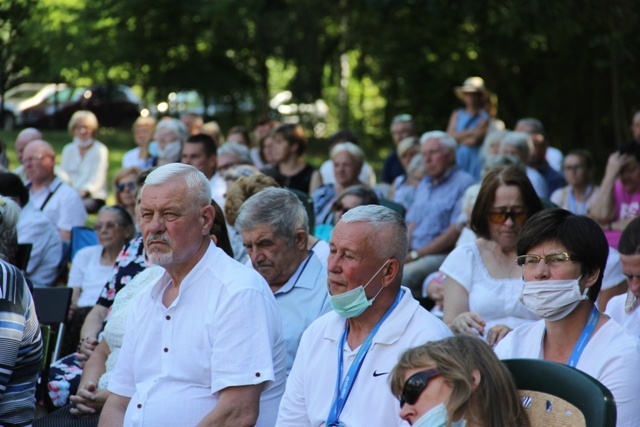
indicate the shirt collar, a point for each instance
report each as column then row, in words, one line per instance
column 306, row 266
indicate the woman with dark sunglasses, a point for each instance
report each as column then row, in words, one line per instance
column 482, row 285
column 456, row 381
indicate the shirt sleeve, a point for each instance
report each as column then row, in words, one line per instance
column 241, row 351
column 458, row 265
column 293, row 408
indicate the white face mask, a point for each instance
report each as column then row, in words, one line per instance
column 437, row 417
column 81, row 143
column 552, row 299
column 170, row 152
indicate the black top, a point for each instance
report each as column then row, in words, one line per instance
column 299, row 181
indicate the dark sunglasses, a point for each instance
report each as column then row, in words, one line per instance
column 126, row 185
column 415, row 385
column 500, row 217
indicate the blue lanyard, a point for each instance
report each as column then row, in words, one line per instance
column 343, row 390
column 573, row 207
column 584, row 337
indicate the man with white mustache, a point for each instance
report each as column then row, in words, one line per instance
column 204, row 345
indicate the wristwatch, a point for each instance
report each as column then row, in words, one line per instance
column 414, row 255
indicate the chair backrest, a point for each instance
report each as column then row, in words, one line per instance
column 22, row 255
column 394, row 206
column 567, row 391
column 52, row 307
column 81, row 237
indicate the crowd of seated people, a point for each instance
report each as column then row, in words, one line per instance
column 353, row 264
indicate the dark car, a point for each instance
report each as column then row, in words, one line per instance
column 114, row 105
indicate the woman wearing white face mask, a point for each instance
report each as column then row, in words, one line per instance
column 457, row 382
column 86, row 160
column 563, row 257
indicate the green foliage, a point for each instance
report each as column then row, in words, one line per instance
column 573, row 64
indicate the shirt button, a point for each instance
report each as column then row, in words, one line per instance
column 139, row 405
column 168, row 317
column 166, row 349
column 257, row 374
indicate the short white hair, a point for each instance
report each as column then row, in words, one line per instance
column 351, row 148
column 196, row 182
column 445, row 140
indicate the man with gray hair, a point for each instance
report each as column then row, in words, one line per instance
column 520, row 146
column 432, row 218
column 232, row 154
column 204, row 345
column 274, row 229
column 340, row 373
column 542, row 152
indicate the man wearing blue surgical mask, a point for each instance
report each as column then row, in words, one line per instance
column 340, row 374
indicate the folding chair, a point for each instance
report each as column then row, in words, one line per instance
column 52, row 306
column 80, row 238
column 554, row 394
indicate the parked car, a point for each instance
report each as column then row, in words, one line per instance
column 22, row 97
column 114, row 105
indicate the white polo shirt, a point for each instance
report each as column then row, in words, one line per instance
column 629, row 321
column 222, row 330
column 311, row 384
column 65, row 208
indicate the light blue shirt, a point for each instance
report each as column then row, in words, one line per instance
column 302, row 300
column 436, row 207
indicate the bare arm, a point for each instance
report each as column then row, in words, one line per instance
column 467, row 137
column 237, row 406
column 90, row 399
column 603, row 209
column 65, row 235
column 456, row 310
column 90, row 329
column 114, row 410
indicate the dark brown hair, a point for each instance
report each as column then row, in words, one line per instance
column 494, row 178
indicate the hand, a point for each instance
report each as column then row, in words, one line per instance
column 86, row 347
column 496, row 334
column 468, row 323
column 615, row 163
column 89, row 400
column 435, row 290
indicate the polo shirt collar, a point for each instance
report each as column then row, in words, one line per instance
column 307, row 266
column 390, row 331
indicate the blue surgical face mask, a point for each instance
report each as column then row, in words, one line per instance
column 437, row 417
column 352, row 303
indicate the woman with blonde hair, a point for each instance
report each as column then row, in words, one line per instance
column 143, row 129
column 86, row 160
column 456, row 381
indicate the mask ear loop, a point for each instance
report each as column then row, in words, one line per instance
column 373, row 277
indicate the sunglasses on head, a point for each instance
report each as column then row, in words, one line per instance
column 415, row 385
column 500, row 217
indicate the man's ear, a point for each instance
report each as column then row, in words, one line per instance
column 207, row 215
column 301, row 240
column 390, row 272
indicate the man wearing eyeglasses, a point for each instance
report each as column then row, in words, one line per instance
column 58, row 200
column 340, row 374
column 432, row 218
column 402, row 126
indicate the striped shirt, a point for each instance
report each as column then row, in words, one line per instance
column 436, row 207
column 20, row 348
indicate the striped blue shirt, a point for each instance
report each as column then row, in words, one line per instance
column 20, row 348
column 436, row 207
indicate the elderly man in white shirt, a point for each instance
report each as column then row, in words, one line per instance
column 34, row 228
column 205, row 345
column 59, row 202
column 340, row 374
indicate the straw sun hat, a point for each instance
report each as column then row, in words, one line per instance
column 472, row 84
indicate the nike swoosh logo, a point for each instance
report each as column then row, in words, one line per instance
column 377, row 374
